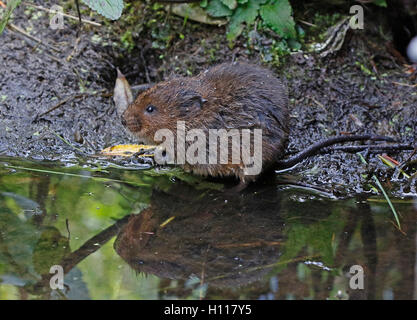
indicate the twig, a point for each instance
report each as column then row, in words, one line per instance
column 68, row 229
column 67, row 142
column 305, row 186
column 75, row 50
column 405, row 162
column 148, row 79
column 405, row 84
column 62, row 102
column 89, row 247
column 36, row 46
column 372, row 147
column 80, row 24
column 50, row 56
column 307, row 23
column 141, row 87
column 64, row 14
column 23, row 32
column 65, row 100
column 393, row 223
column 399, row 167
column 392, row 163
column 93, row 244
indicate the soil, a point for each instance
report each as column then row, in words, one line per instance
column 56, row 103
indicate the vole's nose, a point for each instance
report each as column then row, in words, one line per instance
column 131, row 123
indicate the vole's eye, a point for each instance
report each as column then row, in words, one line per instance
column 150, row 108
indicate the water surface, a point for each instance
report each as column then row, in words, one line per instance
column 146, row 234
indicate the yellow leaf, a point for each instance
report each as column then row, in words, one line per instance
column 163, row 224
column 127, row 150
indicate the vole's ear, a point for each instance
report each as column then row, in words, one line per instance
column 191, row 100
column 122, row 95
column 195, row 102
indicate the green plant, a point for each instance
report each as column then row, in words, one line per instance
column 11, row 5
column 274, row 14
column 111, row 9
column 381, row 3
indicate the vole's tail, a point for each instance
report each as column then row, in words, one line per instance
column 318, row 146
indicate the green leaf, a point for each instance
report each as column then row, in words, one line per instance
column 204, row 3
column 381, row 3
column 378, row 183
column 11, row 5
column 231, row 4
column 294, row 44
column 278, row 16
column 245, row 13
column 111, row 9
column 217, row 9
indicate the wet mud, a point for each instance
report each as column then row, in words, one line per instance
column 56, row 95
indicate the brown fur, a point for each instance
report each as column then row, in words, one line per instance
column 227, row 96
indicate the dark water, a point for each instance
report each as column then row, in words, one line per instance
column 146, row 234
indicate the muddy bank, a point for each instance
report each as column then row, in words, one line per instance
column 56, row 104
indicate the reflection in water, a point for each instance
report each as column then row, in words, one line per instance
column 266, row 243
column 224, row 240
column 233, row 241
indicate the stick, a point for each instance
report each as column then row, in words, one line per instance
column 79, row 17
column 405, row 162
column 93, row 244
column 371, row 147
column 64, row 14
column 142, row 87
column 65, row 100
column 23, row 32
column 60, row 104
column 404, row 84
column 148, row 79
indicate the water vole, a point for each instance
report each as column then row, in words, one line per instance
column 227, row 96
column 231, row 97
